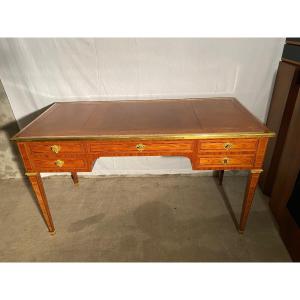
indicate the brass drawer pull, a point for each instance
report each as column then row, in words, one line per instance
column 225, row 160
column 228, row 146
column 59, row 163
column 55, row 148
column 140, row 147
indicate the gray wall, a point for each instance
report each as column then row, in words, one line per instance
column 37, row 72
column 10, row 166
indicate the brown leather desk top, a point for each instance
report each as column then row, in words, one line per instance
column 156, row 119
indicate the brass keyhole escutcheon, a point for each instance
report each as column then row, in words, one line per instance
column 140, row 147
column 227, row 146
column 55, row 148
column 225, row 160
column 59, row 163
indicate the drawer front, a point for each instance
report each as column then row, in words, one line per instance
column 226, row 161
column 228, row 145
column 142, row 147
column 56, row 147
column 60, row 164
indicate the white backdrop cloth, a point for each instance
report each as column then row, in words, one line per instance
column 38, row 72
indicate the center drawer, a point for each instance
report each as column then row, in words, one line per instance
column 142, row 147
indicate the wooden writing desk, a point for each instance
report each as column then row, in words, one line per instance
column 215, row 134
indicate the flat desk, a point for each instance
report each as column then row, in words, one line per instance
column 215, row 134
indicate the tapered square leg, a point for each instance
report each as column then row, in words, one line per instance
column 39, row 191
column 249, row 195
column 75, row 177
column 220, row 176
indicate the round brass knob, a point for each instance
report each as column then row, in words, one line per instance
column 59, row 163
column 55, row 148
column 140, row 147
column 227, row 146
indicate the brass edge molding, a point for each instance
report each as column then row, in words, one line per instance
column 188, row 136
column 30, row 173
column 256, row 171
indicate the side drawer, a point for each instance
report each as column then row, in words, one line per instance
column 228, row 145
column 55, row 147
column 60, row 164
column 226, row 161
column 142, row 146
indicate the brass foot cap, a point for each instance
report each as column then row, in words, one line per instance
column 241, row 231
column 52, row 232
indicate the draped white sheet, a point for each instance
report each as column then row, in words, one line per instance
column 37, row 72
